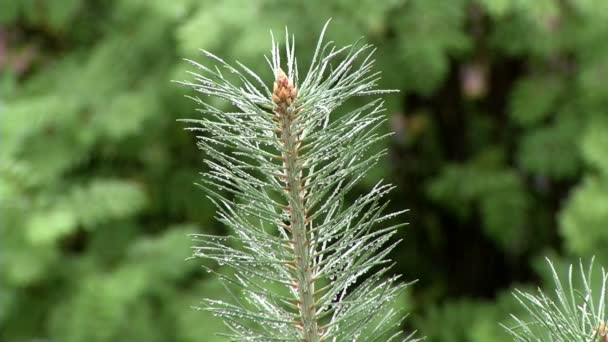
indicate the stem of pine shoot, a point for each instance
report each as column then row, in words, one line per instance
column 290, row 141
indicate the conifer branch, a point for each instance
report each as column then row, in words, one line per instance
column 304, row 265
column 288, row 132
column 570, row 315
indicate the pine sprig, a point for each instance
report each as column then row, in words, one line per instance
column 304, row 264
column 572, row 314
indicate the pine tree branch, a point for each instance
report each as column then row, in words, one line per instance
column 304, row 265
column 576, row 312
column 289, row 134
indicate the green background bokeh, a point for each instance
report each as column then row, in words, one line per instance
column 500, row 151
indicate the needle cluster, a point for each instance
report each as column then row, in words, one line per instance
column 302, row 263
column 575, row 312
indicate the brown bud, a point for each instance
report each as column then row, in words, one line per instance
column 283, row 94
column 283, row 90
column 602, row 331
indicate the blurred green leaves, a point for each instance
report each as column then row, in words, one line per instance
column 595, row 143
column 532, row 99
column 551, row 151
column 86, row 207
column 583, row 221
column 96, row 176
column 496, row 192
column 425, row 62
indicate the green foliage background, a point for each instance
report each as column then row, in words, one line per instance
column 500, row 144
